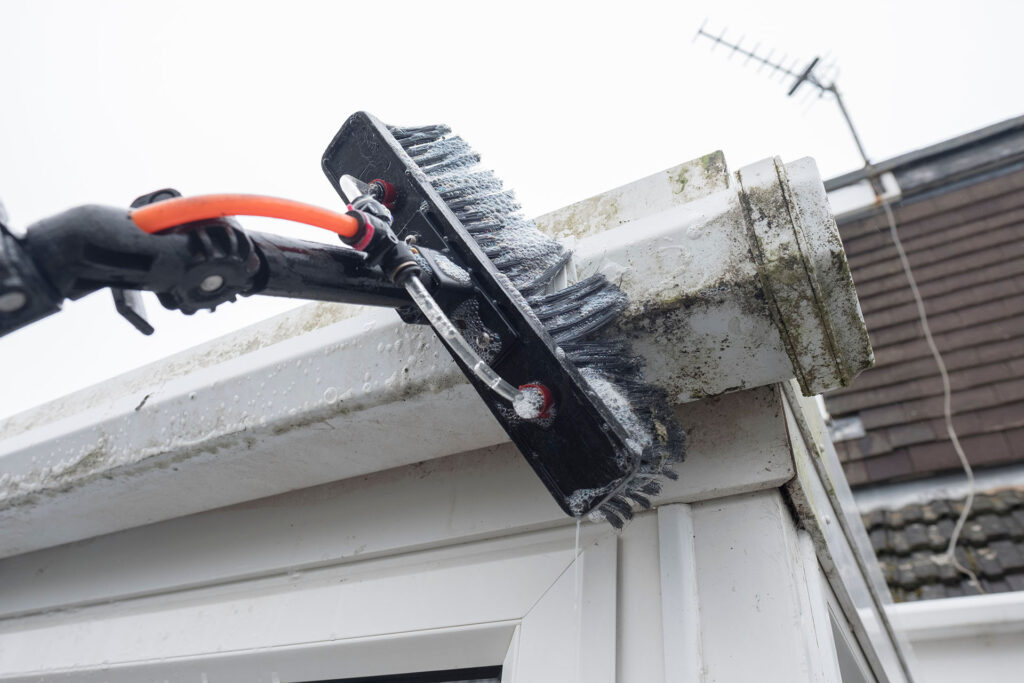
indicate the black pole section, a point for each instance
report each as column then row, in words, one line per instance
column 194, row 267
column 25, row 295
column 91, row 247
column 298, row 269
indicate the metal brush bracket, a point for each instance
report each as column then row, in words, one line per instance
column 529, row 401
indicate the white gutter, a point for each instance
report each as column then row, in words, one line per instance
column 859, row 199
column 975, row 615
column 946, row 487
column 743, row 286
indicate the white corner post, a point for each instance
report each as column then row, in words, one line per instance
column 741, row 594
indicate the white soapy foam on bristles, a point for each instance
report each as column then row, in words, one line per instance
column 612, row 396
column 529, row 403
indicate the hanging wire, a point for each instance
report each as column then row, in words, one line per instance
column 947, row 401
column 827, row 84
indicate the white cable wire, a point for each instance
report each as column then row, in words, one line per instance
column 947, row 400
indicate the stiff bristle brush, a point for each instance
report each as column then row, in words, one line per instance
column 600, row 437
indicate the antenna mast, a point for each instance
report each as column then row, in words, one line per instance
column 807, row 75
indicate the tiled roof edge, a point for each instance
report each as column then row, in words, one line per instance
column 925, row 154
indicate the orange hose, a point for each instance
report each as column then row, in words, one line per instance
column 171, row 212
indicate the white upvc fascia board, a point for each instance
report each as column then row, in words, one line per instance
column 737, row 441
column 968, row 616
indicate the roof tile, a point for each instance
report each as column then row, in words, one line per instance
column 999, row 506
column 932, row 591
column 987, row 564
column 937, row 540
column 987, row 449
column 879, row 539
column 930, row 457
column 911, row 543
column 875, row 518
column 925, row 568
column 973, row 533
column 1013, row 528
column 894, row 519
column 889, row 466
column 888, row 571
column 1010, row 555
column 942, row 508
column 992, row 526
column 917, row 536
column 905, row 576
column 954, row 590
column 856, row 473
column 912, row 514
column 929, row 514
column 898, row 542
column 966, row 243
column 1012, row 497
column 982, row 505
column 947, row 572
column 995, row 585
column 1016, row 439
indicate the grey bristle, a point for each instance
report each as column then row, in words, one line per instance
column 419, row 134
column 579, row 310
column 650, row 488
column 611, row 517
column 576, row 317
column 620, row 507
column 641, row 500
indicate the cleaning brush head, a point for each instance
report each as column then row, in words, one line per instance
column 611, row 436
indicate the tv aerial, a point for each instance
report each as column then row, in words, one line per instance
column 783, row 67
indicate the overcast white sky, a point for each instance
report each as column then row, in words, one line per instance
column 103, row 101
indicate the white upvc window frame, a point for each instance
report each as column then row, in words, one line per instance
column 520, row 602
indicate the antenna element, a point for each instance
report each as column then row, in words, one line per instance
column 805, row 76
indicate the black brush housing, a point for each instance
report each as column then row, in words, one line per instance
column 610, row 436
